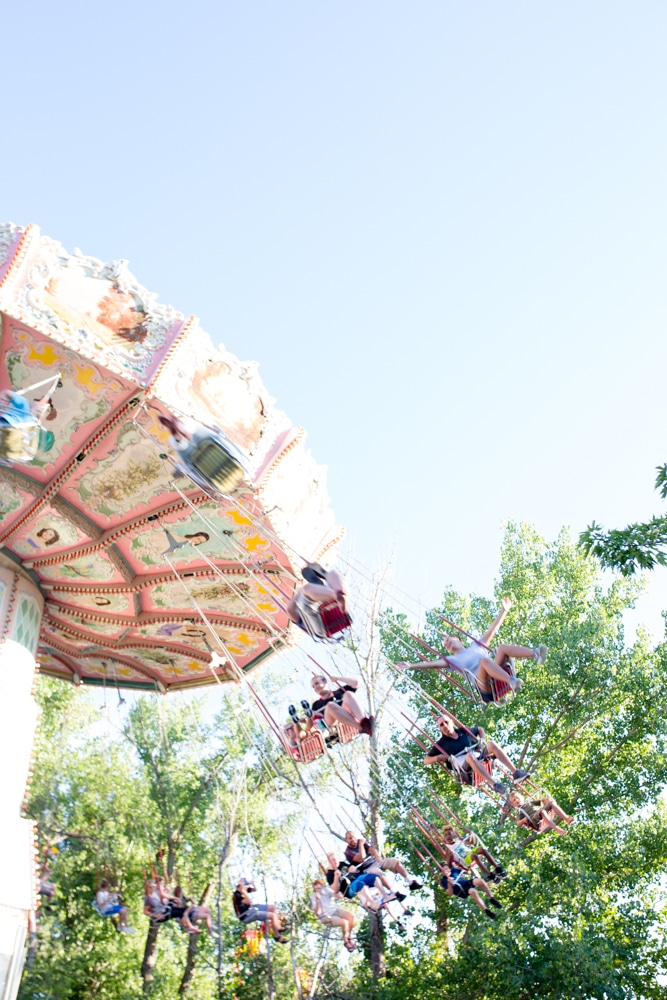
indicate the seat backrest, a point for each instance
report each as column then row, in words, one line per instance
column 477, row 779
column 345, row 732
column 333, row 619
column 312, row 747
column 499, row 689
column 216, row 465
column 18, row 443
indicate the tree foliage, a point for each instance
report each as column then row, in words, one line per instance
column 638, row 546
column 582, row 913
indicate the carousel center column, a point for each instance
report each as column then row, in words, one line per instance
column 21, row 606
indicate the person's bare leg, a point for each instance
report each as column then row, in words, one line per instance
column 426, row 665
column 481, row 884
column 403, row 872
column 389, row 913
column 489, row 668
column 352, row 705
column 482, row 867
column 481, row 852
column 334, row 713
column 337, row 584
column 518, row 652
column 500, row 755
column 381, row 882
column 479, row 770
column 548, row 823
column 339, row 922
column 476, row 898
column 559, row 812
column 367, row 900
column 318, row 593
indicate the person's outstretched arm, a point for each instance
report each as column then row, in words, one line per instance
column 346, row 682
column 424, row 665
column 505, row 605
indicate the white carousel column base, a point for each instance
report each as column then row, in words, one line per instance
column 20, row 615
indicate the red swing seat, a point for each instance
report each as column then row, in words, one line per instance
column 333, row 619
column 345, row 733
column 477, row 780
column 500, row 689
column 308, row 749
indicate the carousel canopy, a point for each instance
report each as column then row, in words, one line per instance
column 143, row 574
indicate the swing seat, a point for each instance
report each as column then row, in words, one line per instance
column 308, row 749
column 500, row 689
column 345, row 733
column 254, row 937
column 333, row 619
column 19, row 443
column 213, row 462
column 477, row 780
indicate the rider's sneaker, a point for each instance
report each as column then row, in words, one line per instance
column 415, row 885
column 540, row 653
column 520, row 775
column 308, row 712
column 499, row 788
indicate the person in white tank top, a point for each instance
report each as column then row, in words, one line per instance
column 475, row 662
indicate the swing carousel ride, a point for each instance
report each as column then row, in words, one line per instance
column 156, row 511
column 145, row 572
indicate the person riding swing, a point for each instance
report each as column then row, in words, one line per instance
column 22, row 435
column 107, row 903
column 319, row 607
column 205, row 454
column 464, row 751
column 474, row 662
column 248, row 912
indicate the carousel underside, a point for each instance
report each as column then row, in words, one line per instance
column 145, row 575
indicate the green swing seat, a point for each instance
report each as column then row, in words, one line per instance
column 214, row 463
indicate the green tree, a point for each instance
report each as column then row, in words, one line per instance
column 113, row 792
column 165, row 784
column 636, row 547
column 582, row 912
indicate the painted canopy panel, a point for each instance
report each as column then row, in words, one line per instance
column 144, row 574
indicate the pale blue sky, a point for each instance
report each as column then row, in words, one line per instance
column 439, row 227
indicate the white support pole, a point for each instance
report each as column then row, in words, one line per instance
column 20, row 615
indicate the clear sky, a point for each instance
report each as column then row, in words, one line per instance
column 440, row 228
